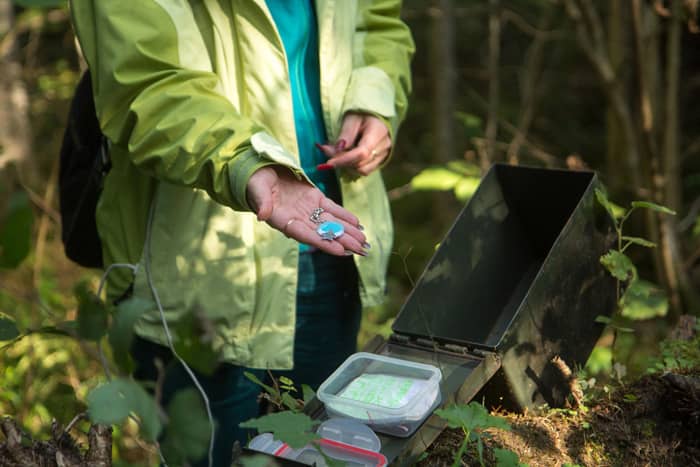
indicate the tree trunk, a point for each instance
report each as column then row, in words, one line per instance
column 443, row 79
column 489, row 156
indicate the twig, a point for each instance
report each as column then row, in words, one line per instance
column 39, row 202
column 44, row 224
column 76, row 419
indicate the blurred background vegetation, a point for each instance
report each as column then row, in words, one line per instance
column 607, row 85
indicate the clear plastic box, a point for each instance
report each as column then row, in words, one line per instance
column 390, row 395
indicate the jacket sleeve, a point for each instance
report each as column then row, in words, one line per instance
column 157, row 97
column 381, row 77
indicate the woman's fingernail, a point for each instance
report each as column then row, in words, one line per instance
column 363, row 253
column 366, row 246
column 340, row 145
column 324, row 167
column 349, row 253
column 319, row 146
column 360, row 227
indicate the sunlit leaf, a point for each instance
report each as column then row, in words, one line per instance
column 8, row 329
column 16, row 231
column 256, row 380
column 93, row 317
column 188, row 431
column 121, row 332
column 435, row 178
column 644, row 300
column 295, row 429
column 465, row 168
column 112, row 402
column 619, row 265
column 466, row 188
column 615, row 211
column 653, row 207
column 639, row 241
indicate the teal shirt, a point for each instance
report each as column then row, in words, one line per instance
column 298, row 29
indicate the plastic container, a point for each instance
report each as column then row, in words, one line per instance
column 390, row 395
column 347, row 431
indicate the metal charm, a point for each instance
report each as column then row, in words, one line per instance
column 330, row 230
column 315, row 216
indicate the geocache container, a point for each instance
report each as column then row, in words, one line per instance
column 513, row 291
column 390, row 395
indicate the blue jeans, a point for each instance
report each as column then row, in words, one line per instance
column 328, row 320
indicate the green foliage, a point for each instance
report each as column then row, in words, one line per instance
column 295, row 429
column 506, row 458
column 459, row 176
column 188, row 431
column 677, row 354
column 641, row 299
column 16, row 231
column 280, row 393
column 39, row 3
column 113, row 402
column 194, row 334
column 121, row 332
column 93, row 318
column 473, row 419
column 8, row 329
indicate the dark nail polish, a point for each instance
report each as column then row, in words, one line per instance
column 318, row 146
column 366, row 246
column 340, row 145
column 324, row 167
column 360, row 227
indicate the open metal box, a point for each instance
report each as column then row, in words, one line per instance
column 516, row 282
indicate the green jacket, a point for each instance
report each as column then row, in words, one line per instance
column 194, row 96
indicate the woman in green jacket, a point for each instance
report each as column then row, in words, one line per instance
column 246, row 142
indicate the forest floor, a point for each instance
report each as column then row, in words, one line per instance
column 654, row 421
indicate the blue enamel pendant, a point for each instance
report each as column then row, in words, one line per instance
column 330, row 230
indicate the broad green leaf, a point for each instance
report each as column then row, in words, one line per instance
column 93, row 317
column 295, row 429
column 639, row 241
column 619, row 265
column 435, row 178
column 308, row 393
column 188, row 431
column 112, row 402
column 644, row 300
column 16, row 231
column 290, row 402
column 615, row 211
column 466, row 188
column 653, row 207
column 506, row 458
column 121, row 332
column 258, row 460
column 471, row 416
column 8, row 329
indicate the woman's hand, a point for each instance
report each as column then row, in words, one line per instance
column 287, row 204
column 364, row 143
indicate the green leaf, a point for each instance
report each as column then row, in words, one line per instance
column 506, row 458
column 644, row 300
column 121, row 333
column 653, row 207
column 436, row 178
column 8, row 329
column 308, row 393
column 465, row 168
column 16, row 231
column 112, row 402
column 603, row 319
column 93, row 318
column 471, row 416
column 258, row 460
column 619, row 265
column 295, row 429
column 639, row 241
column 188, row 432
column 290, row 402
column 615, row 211
column 466, row 188
column 269, row 389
